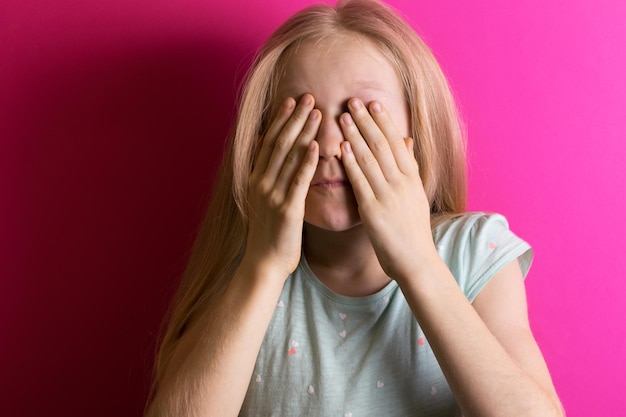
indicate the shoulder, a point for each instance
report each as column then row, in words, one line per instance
column 475, row 246
column 472, row 222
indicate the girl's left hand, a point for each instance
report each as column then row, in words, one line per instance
column 385, row 178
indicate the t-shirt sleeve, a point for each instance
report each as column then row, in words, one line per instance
column 476, row 246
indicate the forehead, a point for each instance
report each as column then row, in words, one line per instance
column 344, row 62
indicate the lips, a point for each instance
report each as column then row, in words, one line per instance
column 330, row 183
column 330, row 175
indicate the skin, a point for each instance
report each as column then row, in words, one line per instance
column 350, row 122
column 332, row 216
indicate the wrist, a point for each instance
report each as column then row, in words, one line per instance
column 424, row 268
column 263, row 270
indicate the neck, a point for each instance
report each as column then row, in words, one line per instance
column 344, row 261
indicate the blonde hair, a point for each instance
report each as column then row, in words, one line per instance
column 435, row 126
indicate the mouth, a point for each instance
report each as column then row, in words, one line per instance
column 331, row 183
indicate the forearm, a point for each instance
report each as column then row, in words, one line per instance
column 211, row 370
column 212, row 365
column 484, row 378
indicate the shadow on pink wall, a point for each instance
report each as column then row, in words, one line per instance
column 114, row 150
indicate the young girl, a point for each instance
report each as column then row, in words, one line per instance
column 336, row 273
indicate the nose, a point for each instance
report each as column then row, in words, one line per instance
column 329, row 138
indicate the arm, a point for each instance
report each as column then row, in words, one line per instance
column 235, row 330
column 502, row 307
column 486, row 352
column 209, row 372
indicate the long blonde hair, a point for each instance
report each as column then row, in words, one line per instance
column 435, row 126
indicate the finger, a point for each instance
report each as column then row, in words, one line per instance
column 299, row 187
column 293, row 160
column 267, row 142
column 288, row 136
column 404, row 160
column 359, row 182
column 361, row 152
column 410, row 145
column 377, row 140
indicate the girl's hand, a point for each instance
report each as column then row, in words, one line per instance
column 385, row 178
column 278, row 186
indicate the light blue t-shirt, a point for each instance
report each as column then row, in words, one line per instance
column 325, row 354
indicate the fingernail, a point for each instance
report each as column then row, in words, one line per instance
column 346, row 119
column 347, row 147
column 355, row 104
column 306, row 99
column 314, row 115
column 376, row 107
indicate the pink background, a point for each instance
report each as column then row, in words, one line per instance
column 112, row 118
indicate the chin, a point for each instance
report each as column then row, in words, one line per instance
column 334, row 210
column 336, row 222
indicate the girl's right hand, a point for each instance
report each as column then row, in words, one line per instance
column 278, row 186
